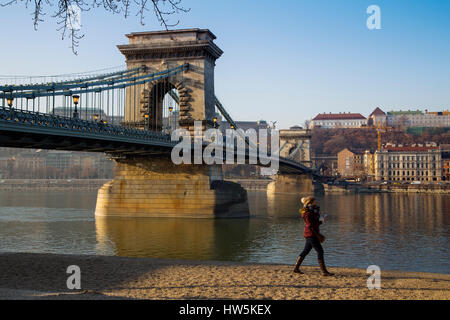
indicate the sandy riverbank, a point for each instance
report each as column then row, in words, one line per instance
column 43, row 276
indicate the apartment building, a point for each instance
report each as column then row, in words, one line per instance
column 445, row 158
column 416, row 162
column 356, row 163
column 350, row 163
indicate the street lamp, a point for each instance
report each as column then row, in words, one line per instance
column 170, row 117
column 10, row 101
column 147, row 116
column 76, row 99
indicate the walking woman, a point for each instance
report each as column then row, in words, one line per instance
column 311, row 215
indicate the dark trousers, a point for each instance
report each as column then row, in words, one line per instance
column 312, row 242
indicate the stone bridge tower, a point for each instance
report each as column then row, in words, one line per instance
column 295, row 144
column 161, row 50
column 153, row 186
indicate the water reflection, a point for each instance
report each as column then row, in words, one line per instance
column 197, row 239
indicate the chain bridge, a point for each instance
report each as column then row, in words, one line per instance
column 167, row 84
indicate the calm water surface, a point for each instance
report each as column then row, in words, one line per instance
column 396, row 232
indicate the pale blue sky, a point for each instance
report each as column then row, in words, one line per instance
column 284, row 60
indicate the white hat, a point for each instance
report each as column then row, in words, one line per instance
column 306, row 200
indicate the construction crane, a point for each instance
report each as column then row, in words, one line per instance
column 381, row 129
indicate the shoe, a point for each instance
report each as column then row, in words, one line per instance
column 324, row 269
column 297, row 265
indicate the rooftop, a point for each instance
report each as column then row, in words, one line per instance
column 400, row 148
column 378, row 112
column 340, row 116
column 356, row 151
column 170, row 33
column 400, row 112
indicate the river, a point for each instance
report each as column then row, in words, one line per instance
column 394, row 231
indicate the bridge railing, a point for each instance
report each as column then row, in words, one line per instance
column 29, row 118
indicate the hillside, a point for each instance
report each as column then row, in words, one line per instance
column 331, row 141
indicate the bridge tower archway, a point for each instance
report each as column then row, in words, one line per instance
column 295, row 144
column 162, row 50
column 160, row 107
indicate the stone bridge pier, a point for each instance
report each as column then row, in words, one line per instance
column 153, row 186
column 156, row 187
column 293, row 183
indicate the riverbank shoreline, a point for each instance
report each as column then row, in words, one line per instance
column 43, row 276
column 51, row 184
column 361, row 188
column 247, row 184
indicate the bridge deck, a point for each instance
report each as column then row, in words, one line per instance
column 24, row 129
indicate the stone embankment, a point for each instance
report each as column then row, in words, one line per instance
column 386, row 188
column 51, row 184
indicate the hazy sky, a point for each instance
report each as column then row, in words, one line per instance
column 283, row 60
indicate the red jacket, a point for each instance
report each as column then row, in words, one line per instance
column 311, row 215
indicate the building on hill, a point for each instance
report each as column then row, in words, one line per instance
column 416, row 162
column 377, row 118
column 418, row 118
column 338, row 120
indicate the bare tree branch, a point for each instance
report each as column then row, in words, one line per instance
column 163, row 10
